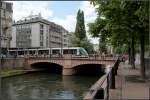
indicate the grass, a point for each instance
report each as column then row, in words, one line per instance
column 6, row 72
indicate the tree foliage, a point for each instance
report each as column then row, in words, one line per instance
column 80, row 26
column 124, row 23
column 79, row 38
column 85, row 43
column 121, row 18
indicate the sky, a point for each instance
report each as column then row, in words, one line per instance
column 60, row 12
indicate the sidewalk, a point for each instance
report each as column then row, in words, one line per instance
column 129, row 85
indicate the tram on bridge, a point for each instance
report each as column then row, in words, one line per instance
column 47, row 52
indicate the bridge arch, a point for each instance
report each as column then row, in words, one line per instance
column 48, row 67
column 89, row 69
column 91, row 62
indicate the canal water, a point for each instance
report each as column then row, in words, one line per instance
column 44, row 86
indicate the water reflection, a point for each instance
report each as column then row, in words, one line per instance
column 46, row 86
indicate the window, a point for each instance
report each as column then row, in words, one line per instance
column 41, row 26
column 41, row 32
column 41, row 44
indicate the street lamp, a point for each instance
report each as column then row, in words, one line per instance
column 62, row 44
column 0, row 41
column 50, row 44
column 0, row 31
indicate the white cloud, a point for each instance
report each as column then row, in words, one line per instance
column 25, row 8
column 90, row 16
column 68, row 22
column 89, row 11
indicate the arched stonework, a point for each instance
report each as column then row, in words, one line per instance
column 67, row 64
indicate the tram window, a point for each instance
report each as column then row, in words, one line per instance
column 25, row 52
column 12, row 52
column 74, row 51
column 40, row 52
column 83, row 52
column 55, row 51
column 45, row 52
column 20, row 52
column 70, row 51
column 31, row 52
column 66, row 52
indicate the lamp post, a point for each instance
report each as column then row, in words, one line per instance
column 0, row 32
column 62, row 44
column 50, row 45
column 0, row 41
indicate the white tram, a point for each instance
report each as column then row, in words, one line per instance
column 53, row 52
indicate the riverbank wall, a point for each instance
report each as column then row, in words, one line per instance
column 13, row 63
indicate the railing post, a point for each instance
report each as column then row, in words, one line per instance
column 116, row 67
column 112, row 79
column 107, row 87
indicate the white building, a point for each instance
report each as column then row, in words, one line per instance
column 36, row 32
column 6, row 23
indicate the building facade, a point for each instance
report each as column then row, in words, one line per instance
column 36, row 32
column 6, row 24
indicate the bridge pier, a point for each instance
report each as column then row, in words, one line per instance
column 27, row 66
column 68, row 71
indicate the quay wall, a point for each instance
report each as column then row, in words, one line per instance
column 12, row 63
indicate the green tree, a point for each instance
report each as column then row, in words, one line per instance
column 73, row 40
column 79, row 38
column 143, row 16
column 124, row 22
column 80, row 26
column 85, row 43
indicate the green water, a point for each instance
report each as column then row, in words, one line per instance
column 44, row 86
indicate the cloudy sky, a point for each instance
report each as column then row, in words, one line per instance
column 60, row 12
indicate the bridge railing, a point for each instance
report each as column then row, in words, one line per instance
column 73, row 57
column 100, row 90
column 95, row 56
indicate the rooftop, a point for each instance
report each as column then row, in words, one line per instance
column 35, row 19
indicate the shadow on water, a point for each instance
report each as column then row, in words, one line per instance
column 90, row 70
column 48, row 67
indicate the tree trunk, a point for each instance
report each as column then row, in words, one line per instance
column 132, row 52
column 129, row 53
column 142, row 56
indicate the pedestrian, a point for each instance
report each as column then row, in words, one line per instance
column 123, row 59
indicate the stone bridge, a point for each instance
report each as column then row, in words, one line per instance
column 67, row 63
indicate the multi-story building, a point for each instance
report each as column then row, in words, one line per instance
column 6, row 24
column 36, row 32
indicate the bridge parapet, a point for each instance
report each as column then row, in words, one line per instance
column 67, row 56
